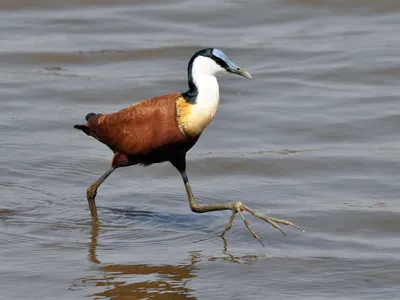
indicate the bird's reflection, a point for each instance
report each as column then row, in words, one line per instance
column 141, row 281
column 150, row 281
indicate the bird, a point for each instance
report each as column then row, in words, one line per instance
column 165, row 128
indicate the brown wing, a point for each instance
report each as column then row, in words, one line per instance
column 140, row 128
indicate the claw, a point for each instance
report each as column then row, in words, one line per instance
column 285, row 222
column 238, row 207
column 246, row 223
column 270, row 221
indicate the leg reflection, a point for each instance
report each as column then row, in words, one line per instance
column 236, row 259
column 139, row 281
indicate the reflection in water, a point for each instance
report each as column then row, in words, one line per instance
column 145, row 281
column 141, row 281
column 229, row 257
column 6, row 212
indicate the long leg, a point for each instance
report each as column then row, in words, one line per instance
column 235, row 207
column 91, row 195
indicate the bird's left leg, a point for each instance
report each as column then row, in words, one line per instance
column 92, row 192
column 236, row 207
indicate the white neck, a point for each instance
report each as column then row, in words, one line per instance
column 204, row 70
column 205, row 107
column 207, row 100
column 208, row 90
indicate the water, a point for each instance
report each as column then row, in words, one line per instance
column 314, row 139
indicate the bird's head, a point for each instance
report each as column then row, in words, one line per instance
column 212, row 61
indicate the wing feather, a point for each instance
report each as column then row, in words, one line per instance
column 139, row 128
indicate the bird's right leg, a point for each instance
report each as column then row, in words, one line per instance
column 91, row 195
column 236, row 207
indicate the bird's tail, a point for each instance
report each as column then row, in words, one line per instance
column 85, row 129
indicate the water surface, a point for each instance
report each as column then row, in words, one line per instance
column 314, row 139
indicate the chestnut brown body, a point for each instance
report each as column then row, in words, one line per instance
column 146, row 132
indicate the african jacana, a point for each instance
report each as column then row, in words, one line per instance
column 164, row 128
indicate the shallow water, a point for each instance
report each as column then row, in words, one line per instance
column 314, row 139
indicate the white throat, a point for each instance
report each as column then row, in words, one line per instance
column 208, row 90
column 204, row 70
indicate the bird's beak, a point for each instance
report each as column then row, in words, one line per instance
column 243, row 72
column 239, row 71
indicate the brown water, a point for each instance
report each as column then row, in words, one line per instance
column 314, row 139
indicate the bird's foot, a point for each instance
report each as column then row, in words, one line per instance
column 239, row 207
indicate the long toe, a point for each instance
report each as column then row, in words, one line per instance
column 238, row 206
column 285, row 222
column 271, row 220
